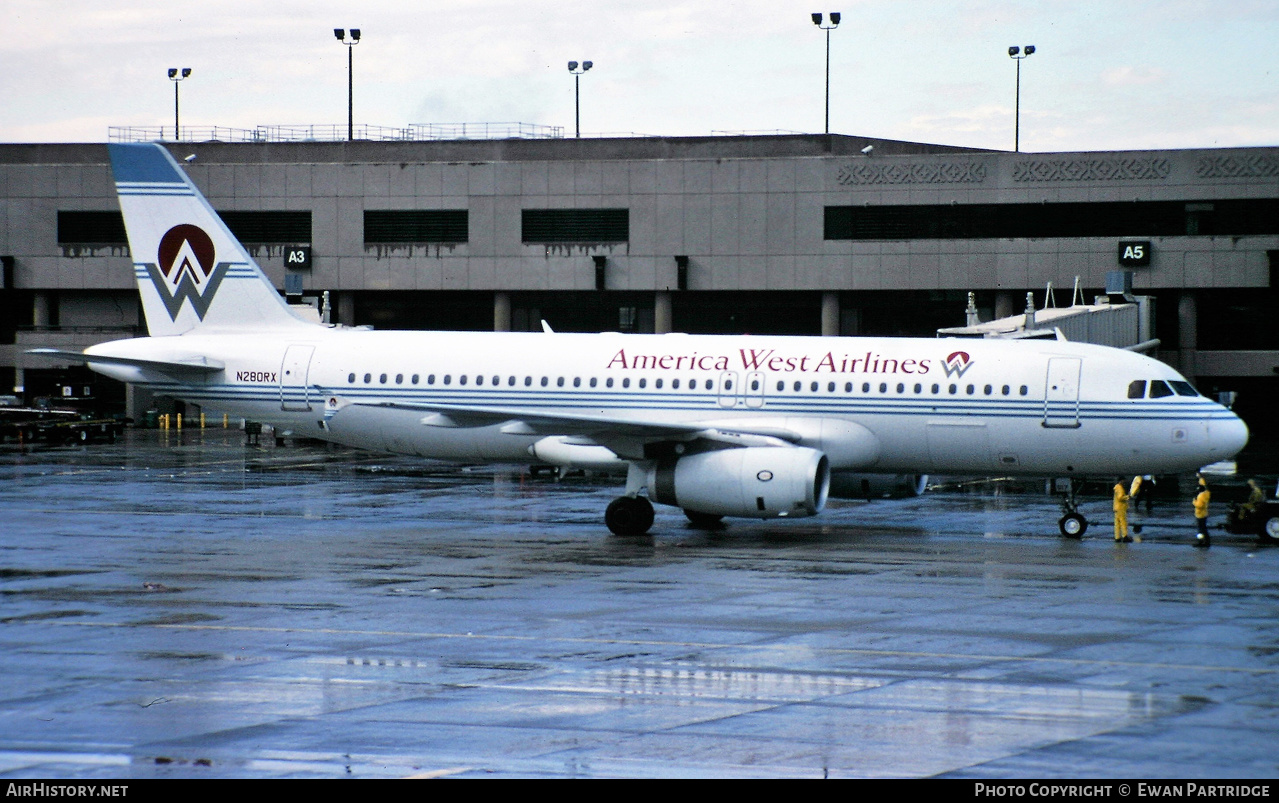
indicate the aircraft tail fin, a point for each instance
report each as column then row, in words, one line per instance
column 191, row 271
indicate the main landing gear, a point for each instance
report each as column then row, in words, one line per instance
column 1072, row 523
column 629, row 515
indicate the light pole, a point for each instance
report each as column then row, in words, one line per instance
column 350, row 77
column 834, row 23
column 1017, row 54
column 176, row 77
column 577, row 93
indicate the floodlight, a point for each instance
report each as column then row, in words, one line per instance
column 834, row 17
column 572, row 65
column 817, row 18
column 586, row 65
column 186, row 72
column 173, row 71
column 355, row 34
column 1014, row 50
column 339, row 33
column 1030, row 49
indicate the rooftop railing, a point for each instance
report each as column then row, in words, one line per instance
column 417, row 132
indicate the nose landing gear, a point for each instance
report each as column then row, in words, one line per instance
column 1072, row 523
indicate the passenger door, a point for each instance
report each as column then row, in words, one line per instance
column 295, row 394
column 1061, row 393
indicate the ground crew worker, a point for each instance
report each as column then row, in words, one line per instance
column 1201, row 514
column 1255, row 497
column 1143, row 489
column 1121, row 512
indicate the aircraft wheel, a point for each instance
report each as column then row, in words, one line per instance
column 1072, row 525
column 629, row 515
column 704, row 521
column 1269, row 530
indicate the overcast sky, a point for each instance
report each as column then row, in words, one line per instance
column 1107, row 75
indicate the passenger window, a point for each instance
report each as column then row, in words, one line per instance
column 1006, row 390
column 813, row 387
column 559, row 383
column 643, row 383
column 626, row 383
column 1137, row 389
column 865, row 387
column 510, row 381
column 528, row 381
column 382, row 379
column 461, row 380
column 595, row 381
column 988, row 390
column 674, row 384
column 545, row 381
column 1183, row 388
column 830, row 387
column 368, row 378
column 936, row 388
column 883, row 387
column 430, row 379
column 416, row 377
column 1025, row 390
column 1159, row 389
column 728, row 385
column 798, row 386
column 399, row 379
column 901, row 388
column 608, row 383
column 848, row 387
column 497, row 380
column 350, row 377
column 954, row 389
column 781, row 385
column 448, row 378
column 919, row 388
column 658, row 384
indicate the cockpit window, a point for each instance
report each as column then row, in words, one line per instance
column 1159, row 389
column 1137, row 389
column 1183, row 388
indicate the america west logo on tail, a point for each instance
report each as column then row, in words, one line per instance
column 187, row 270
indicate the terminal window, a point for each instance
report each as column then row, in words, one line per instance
column 575, row 226
column 1102, row 219
column 107, row 228
column 416, row 226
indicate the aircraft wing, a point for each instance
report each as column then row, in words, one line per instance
column 177, row 366
column 600, row 427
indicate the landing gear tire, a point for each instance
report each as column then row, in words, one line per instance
column 1269, row 530
column 704, row 521
column 629, row 516
column 1073, row 525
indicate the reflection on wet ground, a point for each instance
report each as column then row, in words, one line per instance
column 189, row 606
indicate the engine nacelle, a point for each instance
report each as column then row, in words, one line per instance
column 853, row 485
column 758, row 482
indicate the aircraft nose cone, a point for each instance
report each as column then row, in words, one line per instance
column 1228, row 437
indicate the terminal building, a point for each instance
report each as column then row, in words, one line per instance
column 785, row 234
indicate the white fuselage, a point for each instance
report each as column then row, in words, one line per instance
column 955, row 406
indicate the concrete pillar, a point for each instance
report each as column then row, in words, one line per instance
column 40, row 310
column 501, row 312
column 1187, row 333
column 1004, row 304
column 662, row 312
column 346, row 309
column 830, row 314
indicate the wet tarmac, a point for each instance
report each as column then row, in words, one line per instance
column 187, row 606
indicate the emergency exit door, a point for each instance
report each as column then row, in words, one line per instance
column 295, row 394
column 1061, row 393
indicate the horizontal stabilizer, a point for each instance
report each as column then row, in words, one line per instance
column 182, row 365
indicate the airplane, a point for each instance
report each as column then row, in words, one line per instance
column 719, row 425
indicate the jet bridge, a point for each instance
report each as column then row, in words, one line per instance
column 1118, row 319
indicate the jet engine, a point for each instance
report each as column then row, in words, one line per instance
column 761, row 482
